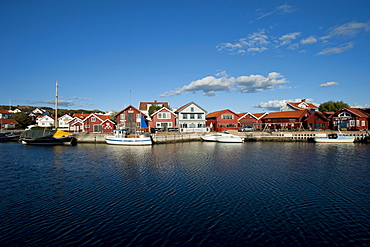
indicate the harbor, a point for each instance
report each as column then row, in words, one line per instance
column 173, row 137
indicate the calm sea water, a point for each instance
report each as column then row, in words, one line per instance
column 187, row 194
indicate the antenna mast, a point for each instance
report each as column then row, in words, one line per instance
column 56, row 105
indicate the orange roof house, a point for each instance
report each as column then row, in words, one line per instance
column 251, row 119
column 286, row 120
column 222, row 120
column 295, row 106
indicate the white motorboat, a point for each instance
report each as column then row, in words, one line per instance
column 221, row 137
column 335, row 138
column 230, row 139
column 213, row 136
column 120, row 137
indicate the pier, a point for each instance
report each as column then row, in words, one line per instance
column 285, row 136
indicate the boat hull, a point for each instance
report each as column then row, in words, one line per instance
column 129, row 141
column 230, row 139
column 68, row 141
column 328, row 140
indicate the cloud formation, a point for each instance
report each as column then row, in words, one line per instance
column 210, row 85
column 329, row 84
column 275, row 105
column 65, row 103
column 262, row 41
column 259, row 83
column 281, row 9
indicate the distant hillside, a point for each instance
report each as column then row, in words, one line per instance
column 49, row 109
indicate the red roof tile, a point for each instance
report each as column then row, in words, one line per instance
column 286, row 114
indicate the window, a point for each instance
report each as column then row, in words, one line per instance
column 122, row 116
column 184, row 116
column 200, row 116
column 363, row 123
column 227, row 116
column 93, row 119
column 358, row 123
column 164, row 115
column 192, row 116
column 200, row 125
column 352, row 123
column 192, row 109
column 192, row 125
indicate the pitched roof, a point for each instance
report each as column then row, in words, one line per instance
column 299, row 105
column 358, row 112
column 286, row 114
column 143, row 106
column 8, row 121
column 255, row 115
column 160, row 110
column 218, row 113
column 184, row 106
column 130, row 106
column 3, row 111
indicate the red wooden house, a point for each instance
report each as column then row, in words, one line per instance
column 317, row 121
column 98, row 123
column 249, row 119
column 222, row 120
column 132, row 119
column 163, row 119
column 286, row 119
column 93, row 123
column 350, row 119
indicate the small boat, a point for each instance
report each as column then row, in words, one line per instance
column 8, row 137
column 47, row 137
column 121, row 137
column 335, row 138
column 221, row 137
column 230, row 139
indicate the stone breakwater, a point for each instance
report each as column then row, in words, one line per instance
column 295, row 136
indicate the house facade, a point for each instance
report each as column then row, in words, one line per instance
column 63, row 122
column 222, row 120
column 286, row 120
column 7, row 124
column 45, row 121
column 296, row 106
column 132, row 119
column 191, row 118
column 318, row 121
column 163, row 119
column 95, row 123
column 350, row 119
column 249, row 119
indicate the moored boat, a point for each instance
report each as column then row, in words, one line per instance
column 221, row 137
column 335, row 138
column 47, row 137
column 8, row 137
column 120, row 137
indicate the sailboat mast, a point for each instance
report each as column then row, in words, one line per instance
column 56, row 105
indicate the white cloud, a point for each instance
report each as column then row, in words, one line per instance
column 275, row 105
column 360, row 106
column 336, row 50
column 329, row 84
column 210, row 85
column 255, row 42
column 309, row 40
column 282, row 9
column 348, row 29
column 65, row 103
column 259, row 83
column 287, row 38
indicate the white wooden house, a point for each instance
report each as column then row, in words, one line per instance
column 191, row 118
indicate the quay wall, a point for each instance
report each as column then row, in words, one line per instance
column 295, row 136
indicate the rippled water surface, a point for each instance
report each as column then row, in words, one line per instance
column 187, row 194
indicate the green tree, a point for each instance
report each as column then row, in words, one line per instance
column 331, row 106
column 23, row 120
column 153, row 108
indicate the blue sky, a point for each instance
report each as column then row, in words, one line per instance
column 246, row 56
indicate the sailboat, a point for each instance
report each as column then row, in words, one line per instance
column 121, row 136
column 44, row 136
